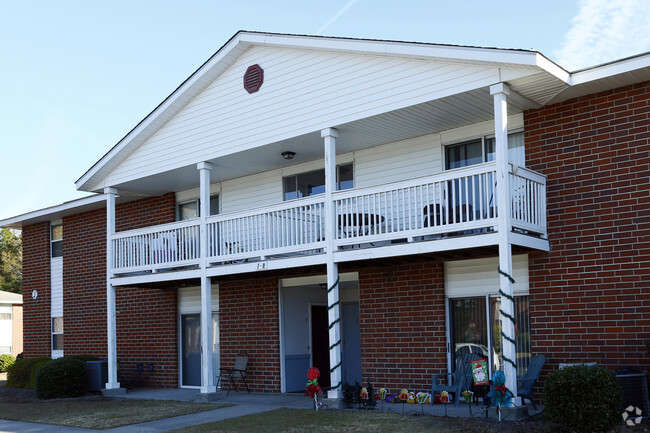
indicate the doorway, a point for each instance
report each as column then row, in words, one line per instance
column 191, row 349
column 320, row 343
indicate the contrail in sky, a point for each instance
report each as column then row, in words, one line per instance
column 336, row 17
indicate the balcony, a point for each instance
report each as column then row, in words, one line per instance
column 450, row 210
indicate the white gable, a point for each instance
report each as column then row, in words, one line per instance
column 303, row 91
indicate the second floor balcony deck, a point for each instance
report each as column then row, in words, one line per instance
column 451, row 210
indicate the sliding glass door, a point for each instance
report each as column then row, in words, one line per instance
column 475, row 327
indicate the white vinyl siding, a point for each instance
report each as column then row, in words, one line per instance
column 392, row 162
column 189, row 300
column 56, row 286
column 402, row 160
column 249, row 192
column 479, row 277
column 303, row 91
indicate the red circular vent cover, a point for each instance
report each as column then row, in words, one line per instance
column 253, row 78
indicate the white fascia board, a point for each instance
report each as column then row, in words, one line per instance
column 398, row 49
column 201, row 78
column 552, row 68
column 610, row 69
column 54, row 212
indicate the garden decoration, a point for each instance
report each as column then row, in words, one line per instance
column 364, row 393
column 500, row 396
column 403, row 397
column 423, row 398
column 313, row 388
column 467, row 395
column 444, row 399
column 381, row 395
column 411, row 398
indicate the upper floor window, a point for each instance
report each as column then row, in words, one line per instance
column 313, row 182
column 56, row 239
column 482, row 150
column 191, row 209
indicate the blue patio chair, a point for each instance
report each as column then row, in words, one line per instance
column 526, row 382
column 461, row 377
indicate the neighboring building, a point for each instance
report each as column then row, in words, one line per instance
column 401, row 175
column 11, row 323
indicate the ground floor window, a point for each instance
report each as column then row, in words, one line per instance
column 57, row 333
column 475, row 327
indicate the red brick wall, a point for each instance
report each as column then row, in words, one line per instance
column 590, row 297
column 146, row 318
column 36, row 276
column 248, row 320
column 402, row 313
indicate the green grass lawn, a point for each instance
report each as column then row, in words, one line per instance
column 294, row 420
column 99, row 414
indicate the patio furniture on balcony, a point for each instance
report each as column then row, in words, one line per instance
column 359, row 224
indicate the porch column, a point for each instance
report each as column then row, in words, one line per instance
column 500, row 92
column 112, row 383
column 333, row 308
column 207, row 370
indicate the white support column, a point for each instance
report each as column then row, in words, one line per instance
column 500, row 92
column 111, row 317
column 333, row 312
column 207, row 370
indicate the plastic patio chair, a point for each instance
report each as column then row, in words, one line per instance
column 526, row 382
column 461, row 377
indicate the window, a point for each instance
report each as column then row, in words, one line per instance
column 482, row 150
column 57, row 333
column 313, row 182
column 56, row 239
column 191, row 209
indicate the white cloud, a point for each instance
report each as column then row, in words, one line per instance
column 605, row 30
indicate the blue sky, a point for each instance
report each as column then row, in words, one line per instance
column 76, row 76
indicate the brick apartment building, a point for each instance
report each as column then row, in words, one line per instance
column 348, row 204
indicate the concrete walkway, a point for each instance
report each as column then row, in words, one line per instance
column 244, row 404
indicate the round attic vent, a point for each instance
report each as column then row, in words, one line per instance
column 253, row 78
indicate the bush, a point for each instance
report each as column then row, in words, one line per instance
column 63, row 377
column 83, row 358
column 18, row 375
column 583, row 399
column 32, row 373
column 6, row 361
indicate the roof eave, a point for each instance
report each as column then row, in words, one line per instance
column 206, row 73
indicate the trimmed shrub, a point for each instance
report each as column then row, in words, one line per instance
column 32, row 373
column 63, row 377
column 6, row 361
column 18, row 374
column 583, row 399
column 83, row 358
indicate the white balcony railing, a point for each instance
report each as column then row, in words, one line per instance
column 456, row 202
